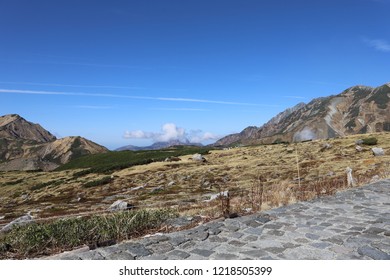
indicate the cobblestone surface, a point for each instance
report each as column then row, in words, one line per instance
column 354, row 224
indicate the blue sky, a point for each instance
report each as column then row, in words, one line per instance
column 134, row 72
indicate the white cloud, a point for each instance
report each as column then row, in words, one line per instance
column 203, row 137
column 170, row 132
column 138, row 134
column 378, row 44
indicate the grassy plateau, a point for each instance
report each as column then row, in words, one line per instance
column 257, row 177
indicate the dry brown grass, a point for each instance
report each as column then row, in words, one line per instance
column 257, row 177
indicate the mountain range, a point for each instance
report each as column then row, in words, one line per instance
column 357, row 110
column 28, row 146
column 159, row 145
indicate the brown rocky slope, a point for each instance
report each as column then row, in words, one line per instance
column 357, row 110
column 28, row 146
column 15, row 127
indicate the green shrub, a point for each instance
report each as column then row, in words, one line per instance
column 41, row 185
column 15, row 182
column 82, row 173
column 100, row 182
column 370, row 141
column 112, row 161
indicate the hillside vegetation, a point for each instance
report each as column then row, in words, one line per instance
column 111, row 161
column 257, row 178
column 93, row 183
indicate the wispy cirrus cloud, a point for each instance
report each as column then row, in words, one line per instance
column 108, row 95
column 89, row 86
column 70, row 85
column 378, row 44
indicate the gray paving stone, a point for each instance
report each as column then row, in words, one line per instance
column 154, row 239
column 236, row 243
column 232, row 228
column 273, row 226
column 231, row 235
column 335, row 239
column 224, row 257
column 325, row 224
column 250, row 238
column 373, row 253
column 290, row 228
column 374, row 230
column 304, row 253
column 218, row 239
column 161, row 248
column 312, row 236
column 321, row 245
column 254, row 231
column 178, row 255
column 289, row 245
column 188, row 245
column 207, row 245
column 253, row 223
column 202, row 252
column 105, row 251
column 214, row 231
column 262, row 219
column 276, row 232
column 341, row 250
column 383, row 246
column 155, row 257
column 351, row 233
column 91, row 255
column 69, row 257
column 275, row 250
column 302, row 240
column 120, row 256
column 178, row 240
column 255, row 254
column 356, row 228
column 199, row 235
column 137, row 250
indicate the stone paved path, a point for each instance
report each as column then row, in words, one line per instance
column 353, row 224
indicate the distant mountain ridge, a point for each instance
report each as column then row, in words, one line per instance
column 158, row 146
column 28, row 146
column 359, row 109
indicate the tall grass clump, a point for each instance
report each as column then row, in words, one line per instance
column 47, row 238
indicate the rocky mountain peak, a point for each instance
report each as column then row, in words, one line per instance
column 28, row 146
column 358, row 109
column 14, row 126
column 4, row 120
